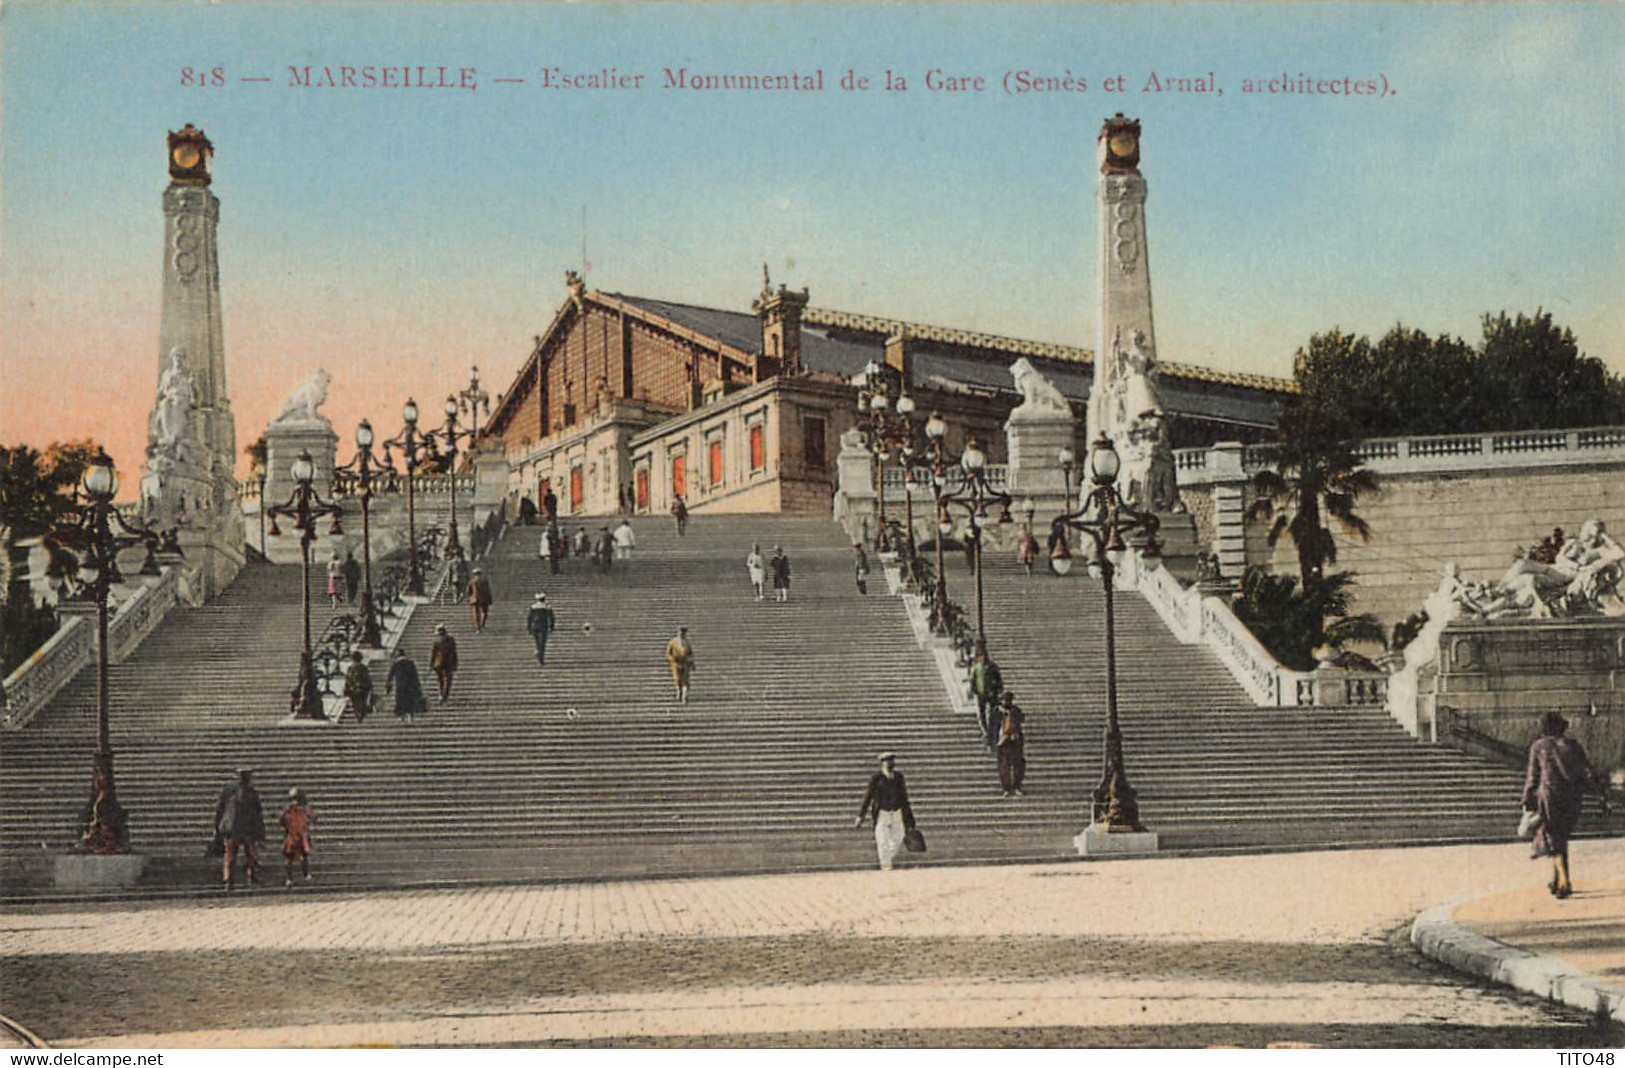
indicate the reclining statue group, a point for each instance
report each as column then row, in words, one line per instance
column 1556, row 578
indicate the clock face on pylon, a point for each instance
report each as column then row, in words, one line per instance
column 1125, row 145
column 189, row 156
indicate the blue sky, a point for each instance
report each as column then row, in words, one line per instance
column 396, row 236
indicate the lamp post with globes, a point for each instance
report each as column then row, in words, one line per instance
column 471, row 401
column 415, row 449
column 1068, row 461
column 887, row 425
column 451, row 435
column 976, row 496
column 362, row 466
column 304, row 507
column 104, row 826
column 1106, row 518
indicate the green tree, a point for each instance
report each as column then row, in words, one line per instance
column 36, row 498
column 1292, row 623
column 1314, row 474
column 1531, row 375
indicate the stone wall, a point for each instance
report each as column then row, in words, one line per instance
column 1419, row 522
column 1466, row 498
column 1496, row 680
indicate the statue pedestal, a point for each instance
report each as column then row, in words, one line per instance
column 94, row 871
column 283, row 444
column 491, row 472
column 1034, row 439
column 1096, row 841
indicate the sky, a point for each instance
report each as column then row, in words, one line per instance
column 395, row 237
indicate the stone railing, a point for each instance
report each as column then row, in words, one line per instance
column 896, row 484
column 1196, row 618
column 43, row 675
column 51, row 667
column 1445, row 452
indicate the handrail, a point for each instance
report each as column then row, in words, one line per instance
column 64, row 654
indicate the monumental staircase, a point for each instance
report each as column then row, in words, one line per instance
column 588, row 767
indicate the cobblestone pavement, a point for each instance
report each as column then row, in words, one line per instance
column 1188, row 951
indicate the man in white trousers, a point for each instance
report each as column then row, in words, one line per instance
column 888, row 797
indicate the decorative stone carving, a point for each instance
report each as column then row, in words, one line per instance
column 1123, row 405
column 302, row 404
column 1038, row 393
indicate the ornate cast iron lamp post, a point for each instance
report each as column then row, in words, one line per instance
column 883, row 432
column 451, row 435
column 104, row 826
column 305, row 506
column 1068, row 461
column 415, row 448
column 976, row 496
column 471, row 402
column 936, row 428
column 1104, row 516
column 362, row 467
column 259, row 476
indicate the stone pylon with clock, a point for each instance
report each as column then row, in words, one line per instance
column 190, row 479
column 1123, row 400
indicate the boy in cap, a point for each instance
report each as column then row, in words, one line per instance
column 887, row 796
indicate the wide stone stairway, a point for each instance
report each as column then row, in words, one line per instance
column 588, row 767
column 1211, row 768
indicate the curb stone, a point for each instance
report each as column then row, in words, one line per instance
column 1435, row 935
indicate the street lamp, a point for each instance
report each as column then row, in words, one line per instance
column 104, row 826
column 936, row 428
column 1068, row 459
column 884, row 431
column 975, row 495
column 362, row 466
column 471, row 402
column 259, row 476
column 415, row 449
column 305, row 506
column 1106, row 518
column 451, row 435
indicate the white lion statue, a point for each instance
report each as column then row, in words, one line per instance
column 301, row 405
column 1038, row 393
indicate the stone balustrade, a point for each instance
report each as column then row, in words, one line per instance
column 43, row 675
column 1195, row 617
column 1437, row 453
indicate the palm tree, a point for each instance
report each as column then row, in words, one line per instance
column 1292, row 623
column 1313, row 475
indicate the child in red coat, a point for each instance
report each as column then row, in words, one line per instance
column 298, row 821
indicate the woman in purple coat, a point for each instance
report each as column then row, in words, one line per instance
column 1559, row 775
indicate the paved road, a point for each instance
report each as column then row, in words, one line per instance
column 1229, row 950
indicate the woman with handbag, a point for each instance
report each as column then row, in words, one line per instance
column 1559, row 775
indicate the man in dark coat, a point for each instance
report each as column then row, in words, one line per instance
column 1012, row 746
column 479, row 598
column 1558, row 778
column 861, row 565
column 679, row 512
column 986, row 682
column 779, row 568
column 527, row 511
column 539, row 624
column 240, row 822
column 887, row 798
column 604, row 550
column 352, row 575
column 358, row 687
column 408, row 688
column 550, row 504
column 443, row 660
